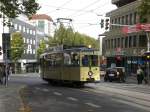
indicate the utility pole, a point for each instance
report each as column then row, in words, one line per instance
column 148, row 50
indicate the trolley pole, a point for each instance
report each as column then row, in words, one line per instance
column 148, row 50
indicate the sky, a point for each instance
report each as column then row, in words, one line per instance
column 86, row 14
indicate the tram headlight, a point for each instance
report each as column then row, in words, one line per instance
column 90, row 73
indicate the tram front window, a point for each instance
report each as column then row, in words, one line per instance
column 89, row 60
column 85, row 60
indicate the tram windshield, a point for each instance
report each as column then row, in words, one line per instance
column 89, row 60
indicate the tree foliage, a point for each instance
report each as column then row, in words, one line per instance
column 67, row 36
column 144, row 10
column 41, row 48
column 12, row 8
column 17, row 46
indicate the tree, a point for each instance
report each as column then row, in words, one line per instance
column 144, row 10
column 17, row 47
column 13, row 8
column 67, row 36
column 41, row 49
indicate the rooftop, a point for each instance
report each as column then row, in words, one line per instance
column 41, row 16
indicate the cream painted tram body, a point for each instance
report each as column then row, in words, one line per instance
column 75, row 65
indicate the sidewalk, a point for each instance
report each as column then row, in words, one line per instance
column 27, row 74
column 10, row 100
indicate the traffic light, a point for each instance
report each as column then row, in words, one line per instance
column 147, row 56
column 0, row 50
column 102, row 23
column 107, row 23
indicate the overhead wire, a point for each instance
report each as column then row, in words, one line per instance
column 85, row 7
column 65, row 3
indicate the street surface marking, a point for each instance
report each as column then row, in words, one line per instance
column 45, row 90
column 71, row 98
column 93, row 105
column 132, row 104
column 37, row 88
column 57, row 93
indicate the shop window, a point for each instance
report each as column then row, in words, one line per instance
column 142, row 41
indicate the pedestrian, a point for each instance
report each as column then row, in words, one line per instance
column 1, row 75
column 145, row 75
column 121, row 75
column 140, row 75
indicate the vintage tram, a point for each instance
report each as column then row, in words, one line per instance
column 75, row 65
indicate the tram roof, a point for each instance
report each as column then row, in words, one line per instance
column 68, row 49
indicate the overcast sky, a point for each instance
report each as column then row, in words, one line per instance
column 86, row 14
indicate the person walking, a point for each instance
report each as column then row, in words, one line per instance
column 1, row 75
column 140, row 75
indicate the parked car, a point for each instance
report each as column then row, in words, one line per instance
column 115, row 74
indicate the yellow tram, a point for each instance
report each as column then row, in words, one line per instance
column 75, row 65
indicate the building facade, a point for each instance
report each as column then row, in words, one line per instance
column 44, row 23
column 28, row 60
column 124, row 49
column 31, row 36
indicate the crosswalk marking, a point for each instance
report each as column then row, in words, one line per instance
column 93, row 105
column 45, row 90
column 71, row 98
column 57, row 93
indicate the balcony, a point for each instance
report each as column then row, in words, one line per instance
column 120, row 3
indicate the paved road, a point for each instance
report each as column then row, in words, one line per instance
column 103, row 97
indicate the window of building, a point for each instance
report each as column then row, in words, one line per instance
column 112, row 46
column 122, row 20
column 106, row 44
column 126, row 42
column 27, row 40
column 20, row 27
column 24, row 40
column 135, row 18
column 33, row 51
column 130, row 41
column 119, row 20
column 130, row 19
column 115, row 43
column 34, row 42
column 27, row 30
column 24, row 29
column 118, row 41
column 122, row 42
column 16, row 26
column 142, row 41
column 127, row 20
column 31, row 41
column 41, row 25
column 31, row 32
column 134, row 41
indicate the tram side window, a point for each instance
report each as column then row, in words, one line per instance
column 67, row 59
column 85, row 60
column 94, row 61
column 75, row 60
